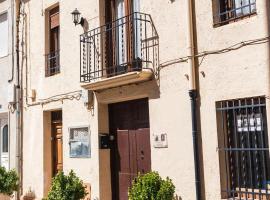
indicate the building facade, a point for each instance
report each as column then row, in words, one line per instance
column 108, row 96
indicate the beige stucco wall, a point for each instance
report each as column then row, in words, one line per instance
column 241, row 73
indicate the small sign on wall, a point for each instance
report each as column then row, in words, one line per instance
column 161, row 140
column 79, row 142
column 251, row 122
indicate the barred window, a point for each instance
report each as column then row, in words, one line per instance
column 52, row 57
column 243, row 148
column 225, row 11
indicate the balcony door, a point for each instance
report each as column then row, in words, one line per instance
column 123, row 42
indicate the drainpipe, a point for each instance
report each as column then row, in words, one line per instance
column 193, row 91
column 18, row 101
column 12, row 16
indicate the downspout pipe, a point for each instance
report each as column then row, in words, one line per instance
column 193, row 93
column 193, row 101
column 18, row 100
column 12, row 16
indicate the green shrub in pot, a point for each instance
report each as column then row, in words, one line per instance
column 66, row 187
column 9, row 181
column 151, row 187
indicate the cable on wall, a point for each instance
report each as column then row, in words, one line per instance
column 213, row 52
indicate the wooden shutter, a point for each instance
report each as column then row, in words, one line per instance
column 54, row 18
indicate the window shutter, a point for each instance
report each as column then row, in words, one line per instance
column 216, row 12
column 54, row 18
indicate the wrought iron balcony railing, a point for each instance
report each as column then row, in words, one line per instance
column 130, row 43
column 52, row 63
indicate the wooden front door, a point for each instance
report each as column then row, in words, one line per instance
column 131, row 151
column 57, row 142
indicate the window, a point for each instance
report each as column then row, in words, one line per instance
column 243, row 148
column 226, row 11
column 53, row 44
column 3, row 35
column 5, row 139
column 79, row 142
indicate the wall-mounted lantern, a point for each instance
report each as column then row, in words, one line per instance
column 76, row 17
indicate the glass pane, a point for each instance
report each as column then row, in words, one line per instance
column 79, row 149
column 243, row 7
column 136, row 6
column 121, row 34
column 5, row 139
column 79, row 142
column 253, row 5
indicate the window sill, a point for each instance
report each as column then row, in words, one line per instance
column 236, row 19
column 53, row 75
column 5, row 56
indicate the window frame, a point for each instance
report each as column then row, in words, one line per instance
column 52, row 57
column 248, row 139
column 217, row 14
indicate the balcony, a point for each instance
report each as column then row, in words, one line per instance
column 52, row 61
column 122, row 52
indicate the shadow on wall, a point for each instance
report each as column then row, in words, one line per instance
column 267, row 4
column 177, row 197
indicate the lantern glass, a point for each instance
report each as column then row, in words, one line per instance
column 76, row 16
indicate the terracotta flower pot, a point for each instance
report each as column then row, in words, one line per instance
column 28, row 198
column 4, row 197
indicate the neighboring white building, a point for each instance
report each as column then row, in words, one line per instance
column 7, row 73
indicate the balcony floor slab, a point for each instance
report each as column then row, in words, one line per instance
column 120, row 80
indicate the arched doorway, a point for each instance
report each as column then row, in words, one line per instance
column 5, row 147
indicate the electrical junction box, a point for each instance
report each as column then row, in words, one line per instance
column 33, row 95
column 88, row 98
column 11, row 93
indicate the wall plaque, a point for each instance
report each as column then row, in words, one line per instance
column 161, row 141
column 79, row 142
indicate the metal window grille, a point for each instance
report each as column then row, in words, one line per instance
column 243, row 149
column 52, row 63
column 230, row 10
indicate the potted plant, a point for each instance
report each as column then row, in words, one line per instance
column 9, row 182
column 151, row 187
column 67, row 187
